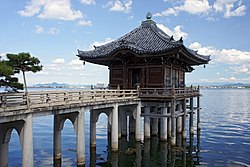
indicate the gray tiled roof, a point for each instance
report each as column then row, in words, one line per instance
column 145, row 39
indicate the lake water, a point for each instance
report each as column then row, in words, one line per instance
column 224, row 139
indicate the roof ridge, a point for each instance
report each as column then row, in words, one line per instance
column 167, row 39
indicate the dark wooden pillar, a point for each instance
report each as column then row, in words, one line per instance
column 125, row 76
column 146, row 74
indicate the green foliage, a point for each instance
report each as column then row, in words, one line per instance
column 5, row 70
column 6, row 79
column 24, row 62
column 16, row 63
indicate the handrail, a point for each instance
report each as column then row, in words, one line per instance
column 168, row 92
column 18, row 101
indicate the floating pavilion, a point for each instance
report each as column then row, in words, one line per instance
column 149, row 59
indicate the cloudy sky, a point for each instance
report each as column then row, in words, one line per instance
column 53, row 30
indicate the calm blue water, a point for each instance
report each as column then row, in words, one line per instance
column 224, row 139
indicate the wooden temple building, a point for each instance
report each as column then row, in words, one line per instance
column 145, row 57
column 149, row 59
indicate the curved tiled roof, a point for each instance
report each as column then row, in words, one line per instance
column 145, row 39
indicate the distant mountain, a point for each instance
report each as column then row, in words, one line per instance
column 235, row 85
column 222, row 84
column 53, row 84
column 60, row 85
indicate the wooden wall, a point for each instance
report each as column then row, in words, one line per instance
column 155, row 72
column 155, row 77
column 116, row 78
column 150, row 77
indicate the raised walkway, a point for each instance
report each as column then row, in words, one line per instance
column 124, row 108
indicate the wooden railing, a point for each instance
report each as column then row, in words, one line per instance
column 168, row 92
column 32, row 100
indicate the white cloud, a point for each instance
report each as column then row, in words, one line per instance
column 99, row 43
column 189, row 6
column 230, row 79
column 227, row 56
column 195, row 6
column 168, row 12
column 88, row 2
column 84, row 23
column 241, row 69
column 54, row 31
column 228, row 8
column 238, row 61
column 120, row 6
column 211, row 19
column 195, row 46
column 59, row 9
column 76, row 62
column 71, row 72
column 177, row 32
column 58, row 61
column 32, row 8
column 47, row 9
column 39, row 29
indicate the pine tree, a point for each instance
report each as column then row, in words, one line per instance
column 24, row 62
column 6, row 78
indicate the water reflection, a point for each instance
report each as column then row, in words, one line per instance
column 151, row 152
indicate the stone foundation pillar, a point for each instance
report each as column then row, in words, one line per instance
column 138, row 122
column 146, row 123
column 27, row 142
column 92, row 129
column 114, row 133
column 57, row 140
column 4, row 154
column 80, row 145
column 169, row 122
column 173, row 123
column 164, row 125
column 179, row 120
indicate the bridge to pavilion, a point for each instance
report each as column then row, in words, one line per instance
column 147, row 58
column 167, row 106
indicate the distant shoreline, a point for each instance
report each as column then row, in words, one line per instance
column 89, row 87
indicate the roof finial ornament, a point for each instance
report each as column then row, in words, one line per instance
column 149, row 16
column 181, row 40
column 171, row 38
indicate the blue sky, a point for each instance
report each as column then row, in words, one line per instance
column 53, row 30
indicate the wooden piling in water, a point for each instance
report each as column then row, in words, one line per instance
column 191, row 116
column 184, row 130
